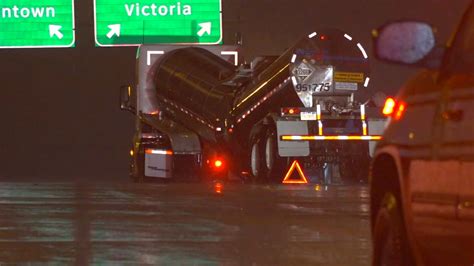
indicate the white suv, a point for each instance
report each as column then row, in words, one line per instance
column 422, row 175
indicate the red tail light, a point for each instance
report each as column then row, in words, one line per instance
column 218, row 164
column 400, row 111
column 393, row 108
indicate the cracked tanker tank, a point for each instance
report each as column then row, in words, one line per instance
column 318, row 68
column 325, row 68
column 305, row 105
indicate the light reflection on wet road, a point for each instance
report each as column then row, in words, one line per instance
column 198, row 224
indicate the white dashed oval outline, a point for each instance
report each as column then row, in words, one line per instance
column 349, row 38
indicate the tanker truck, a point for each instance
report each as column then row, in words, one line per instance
column 198, row 112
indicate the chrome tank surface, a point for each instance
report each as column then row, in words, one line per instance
column 326, row 65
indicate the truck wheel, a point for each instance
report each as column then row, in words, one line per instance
column 274, row 164
column 255, row 160
column 390, row 244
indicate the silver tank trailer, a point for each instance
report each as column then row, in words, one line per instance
column 325, row 68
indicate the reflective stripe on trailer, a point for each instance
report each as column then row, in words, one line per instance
column 308, row 138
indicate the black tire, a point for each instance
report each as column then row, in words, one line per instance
column 255, row 160
column 390, row 242
column 274, row 165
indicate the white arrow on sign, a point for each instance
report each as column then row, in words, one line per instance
column 54, row 30
column 114, row 30
column 205, row 28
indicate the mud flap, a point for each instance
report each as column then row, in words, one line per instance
column 158, row 165
column 376, row 127
column 292, row 148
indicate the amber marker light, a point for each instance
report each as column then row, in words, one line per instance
column 319, row 138
column 389, row 107
column 394, row 109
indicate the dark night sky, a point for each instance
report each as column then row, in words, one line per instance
column 59, row 107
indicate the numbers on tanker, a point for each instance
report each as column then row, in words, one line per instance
column 315, row 87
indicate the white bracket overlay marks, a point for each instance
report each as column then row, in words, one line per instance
column 150, row 53
column 234, row 53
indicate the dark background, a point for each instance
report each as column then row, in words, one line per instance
column 59, row 107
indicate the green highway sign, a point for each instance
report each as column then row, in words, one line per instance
column 135, row 22
column 36, row 23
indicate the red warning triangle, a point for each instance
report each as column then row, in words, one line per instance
column 290, row 176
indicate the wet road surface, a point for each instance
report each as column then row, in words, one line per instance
column 184, row 224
